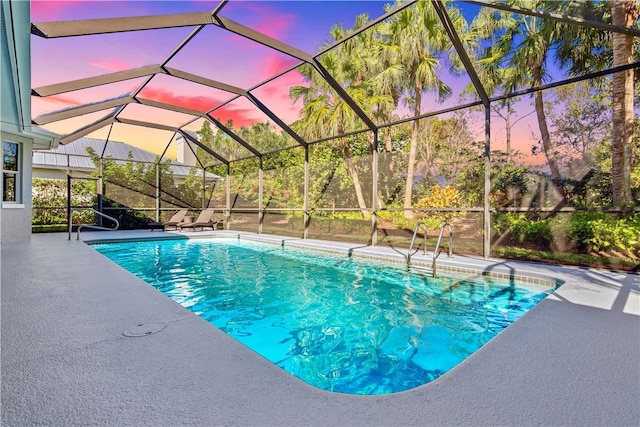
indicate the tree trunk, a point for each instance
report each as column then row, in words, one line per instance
column 415, row 135
column 354, row 176
column 384, row 193
column 547, row 146
column 623, row 13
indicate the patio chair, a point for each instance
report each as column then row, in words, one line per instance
column 176, row 219
column 205, row 219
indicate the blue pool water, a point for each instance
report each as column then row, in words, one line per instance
column 340, row 324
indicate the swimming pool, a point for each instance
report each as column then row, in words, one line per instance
column 345, row 325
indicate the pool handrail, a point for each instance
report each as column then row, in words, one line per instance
column 413, row 239
column 94, row 227
column 436, row 251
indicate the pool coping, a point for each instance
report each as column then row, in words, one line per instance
column 419, row 261
column 571, row 360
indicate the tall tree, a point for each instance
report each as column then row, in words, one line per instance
column 324, row 111
column 588, row 50
column 624, row 13
column 496, row 77
column 416, row 40
column 524, row 46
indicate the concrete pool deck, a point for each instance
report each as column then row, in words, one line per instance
column 571, row 360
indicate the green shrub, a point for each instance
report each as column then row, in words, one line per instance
column 524, row 230
column 440, row 197
column 129, row 219
column 54, row 228
column 600, row 231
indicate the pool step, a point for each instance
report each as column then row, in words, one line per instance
column 422, row 270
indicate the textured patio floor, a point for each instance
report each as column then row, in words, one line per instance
column 572, row 360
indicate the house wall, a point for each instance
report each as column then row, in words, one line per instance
column 186, row 151
column 15, row 219
column 15, row 115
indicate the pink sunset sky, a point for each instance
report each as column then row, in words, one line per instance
column 214, row 53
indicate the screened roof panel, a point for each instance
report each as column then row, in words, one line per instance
column 78, row 98
column 186, row 94
column 227, row 57
column 226, row 146
column 302, row 24
column 239, row 113
column 266, row 137
column 195, row 125
column 275, row 95
column 522, row 43
column 72, row 10
column 377, row 61
column 247, row 43
column 95, row 55
column 324, row 113
column 67, row 126
column 149, row 139
column 157, row 115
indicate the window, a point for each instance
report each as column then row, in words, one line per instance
column 10, row 172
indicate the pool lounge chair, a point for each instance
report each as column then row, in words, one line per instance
column 205, row 219
column 176, row 219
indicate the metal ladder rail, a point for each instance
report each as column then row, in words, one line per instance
column 413, row 239
column 436, row 251
column 94, row 227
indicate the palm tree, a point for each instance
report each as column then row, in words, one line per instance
column 523, row 47
column 624, row 13
column 324, row 112
column 497, row 78
column 415, row 39
column 588, row 50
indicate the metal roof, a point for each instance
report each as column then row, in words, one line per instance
column 77, row 155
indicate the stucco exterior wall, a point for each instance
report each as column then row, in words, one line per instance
column 15, row 115
column 16, row 217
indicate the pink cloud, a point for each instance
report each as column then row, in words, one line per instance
column 49, row 10
column 276, row 27
column 266, row 20
column 110, row 64
column 274, row 64
column 65, row 100
column 275, row 95
column 198, row 103
column 241, row 117
column 271, row 22
column 278, row 90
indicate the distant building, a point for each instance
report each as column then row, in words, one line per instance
column 74, row 157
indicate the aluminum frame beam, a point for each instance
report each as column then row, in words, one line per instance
column 276, row 119
column 146, row 124
column 81, row 110
column 233, row 135
column 194, row 78
column 263, row 39
column 169, row 107
column 441, row 10
column 208, row 150
column 85, row 27
column 56, row 89
column 556, row 17
column 343, row 94
column 86, row 130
